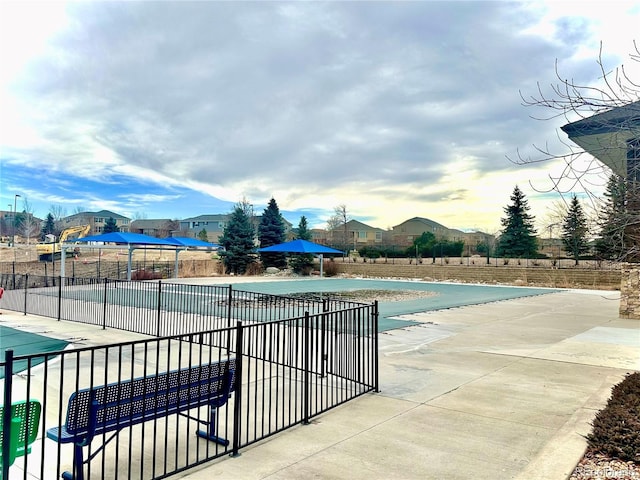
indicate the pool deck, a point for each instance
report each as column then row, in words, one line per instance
column 494, row 391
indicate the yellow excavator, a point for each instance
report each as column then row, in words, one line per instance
column 47, row 251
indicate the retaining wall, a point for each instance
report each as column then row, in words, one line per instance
column 630, row 292
column 535, row 276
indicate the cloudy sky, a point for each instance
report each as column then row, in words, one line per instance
column 172, row 109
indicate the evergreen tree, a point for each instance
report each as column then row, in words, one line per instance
column 303, row 230
column 302, row 263
column 202, row 235
column 110, row 226
column 48, row 227
column 612, row 220
column 574, row 230
column 271, row 232
column 518, row 236
column 237, row 240
column 423, row 246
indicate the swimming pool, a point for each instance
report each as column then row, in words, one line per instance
column 445, row 295
column 26, row 343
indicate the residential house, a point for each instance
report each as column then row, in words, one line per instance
column 319, row 235
column 405, row 233
column 355, row 234
column 23, row 227
column 159, row 228
column 214, row 226
column 97, row 220
column 476, row 242
column 613, row 137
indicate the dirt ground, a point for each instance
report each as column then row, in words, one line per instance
column 26, row 258
column 27, row 253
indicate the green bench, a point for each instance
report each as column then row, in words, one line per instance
column 25, row 419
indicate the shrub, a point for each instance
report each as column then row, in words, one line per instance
column 145, row 275
column 330, row 269
column 616, row 428
column 254, row 268
column 219, row 269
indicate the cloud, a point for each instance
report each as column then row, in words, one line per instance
column 312, row 103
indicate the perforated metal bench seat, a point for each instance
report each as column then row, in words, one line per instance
column 25, row 419
column 110, row 408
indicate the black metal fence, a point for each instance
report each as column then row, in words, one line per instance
column 114, row 269
column 153, row 308
column 294, row 359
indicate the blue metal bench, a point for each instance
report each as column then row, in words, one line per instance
column 110, row 408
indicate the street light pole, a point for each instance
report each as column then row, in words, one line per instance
column 13, row 231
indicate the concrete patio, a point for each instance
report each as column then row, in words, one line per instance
column 502, row 390
column 496, row 391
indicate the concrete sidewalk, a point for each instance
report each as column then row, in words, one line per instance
column 496, row 391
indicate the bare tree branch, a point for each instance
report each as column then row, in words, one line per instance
column 573, row 102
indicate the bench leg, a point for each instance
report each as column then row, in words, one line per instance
column 211, row 433
column 78, row 462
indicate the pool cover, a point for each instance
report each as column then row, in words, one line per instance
column 446, row 295
column 26, row 343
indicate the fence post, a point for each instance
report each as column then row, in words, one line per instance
column 159, row 307
column 237, row 405
column 306, row 352
column 376, row 316
column 104, row 305
column 324, row 355
column 6, row 417
column 60, row 280
column 229, row 301
column 26, row 288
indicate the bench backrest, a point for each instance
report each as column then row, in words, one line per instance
column 113, row 406
column 25, row 419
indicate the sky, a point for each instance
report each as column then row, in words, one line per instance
column 174, row 109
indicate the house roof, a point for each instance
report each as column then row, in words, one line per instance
column 626, row 117
column 150, row 223
column 355, row 225
column 224, row 217
column 363, row 226
column 605, row 135
column 217, row 217
column 101, row 213
column 424, row 221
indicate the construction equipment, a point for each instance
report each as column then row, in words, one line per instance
column 47, row 251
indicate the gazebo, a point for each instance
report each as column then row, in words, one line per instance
column 132, row 241
column 301, row 247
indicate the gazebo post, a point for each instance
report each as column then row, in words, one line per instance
column 129, row 262
column 175, row 272
column 63, row 258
